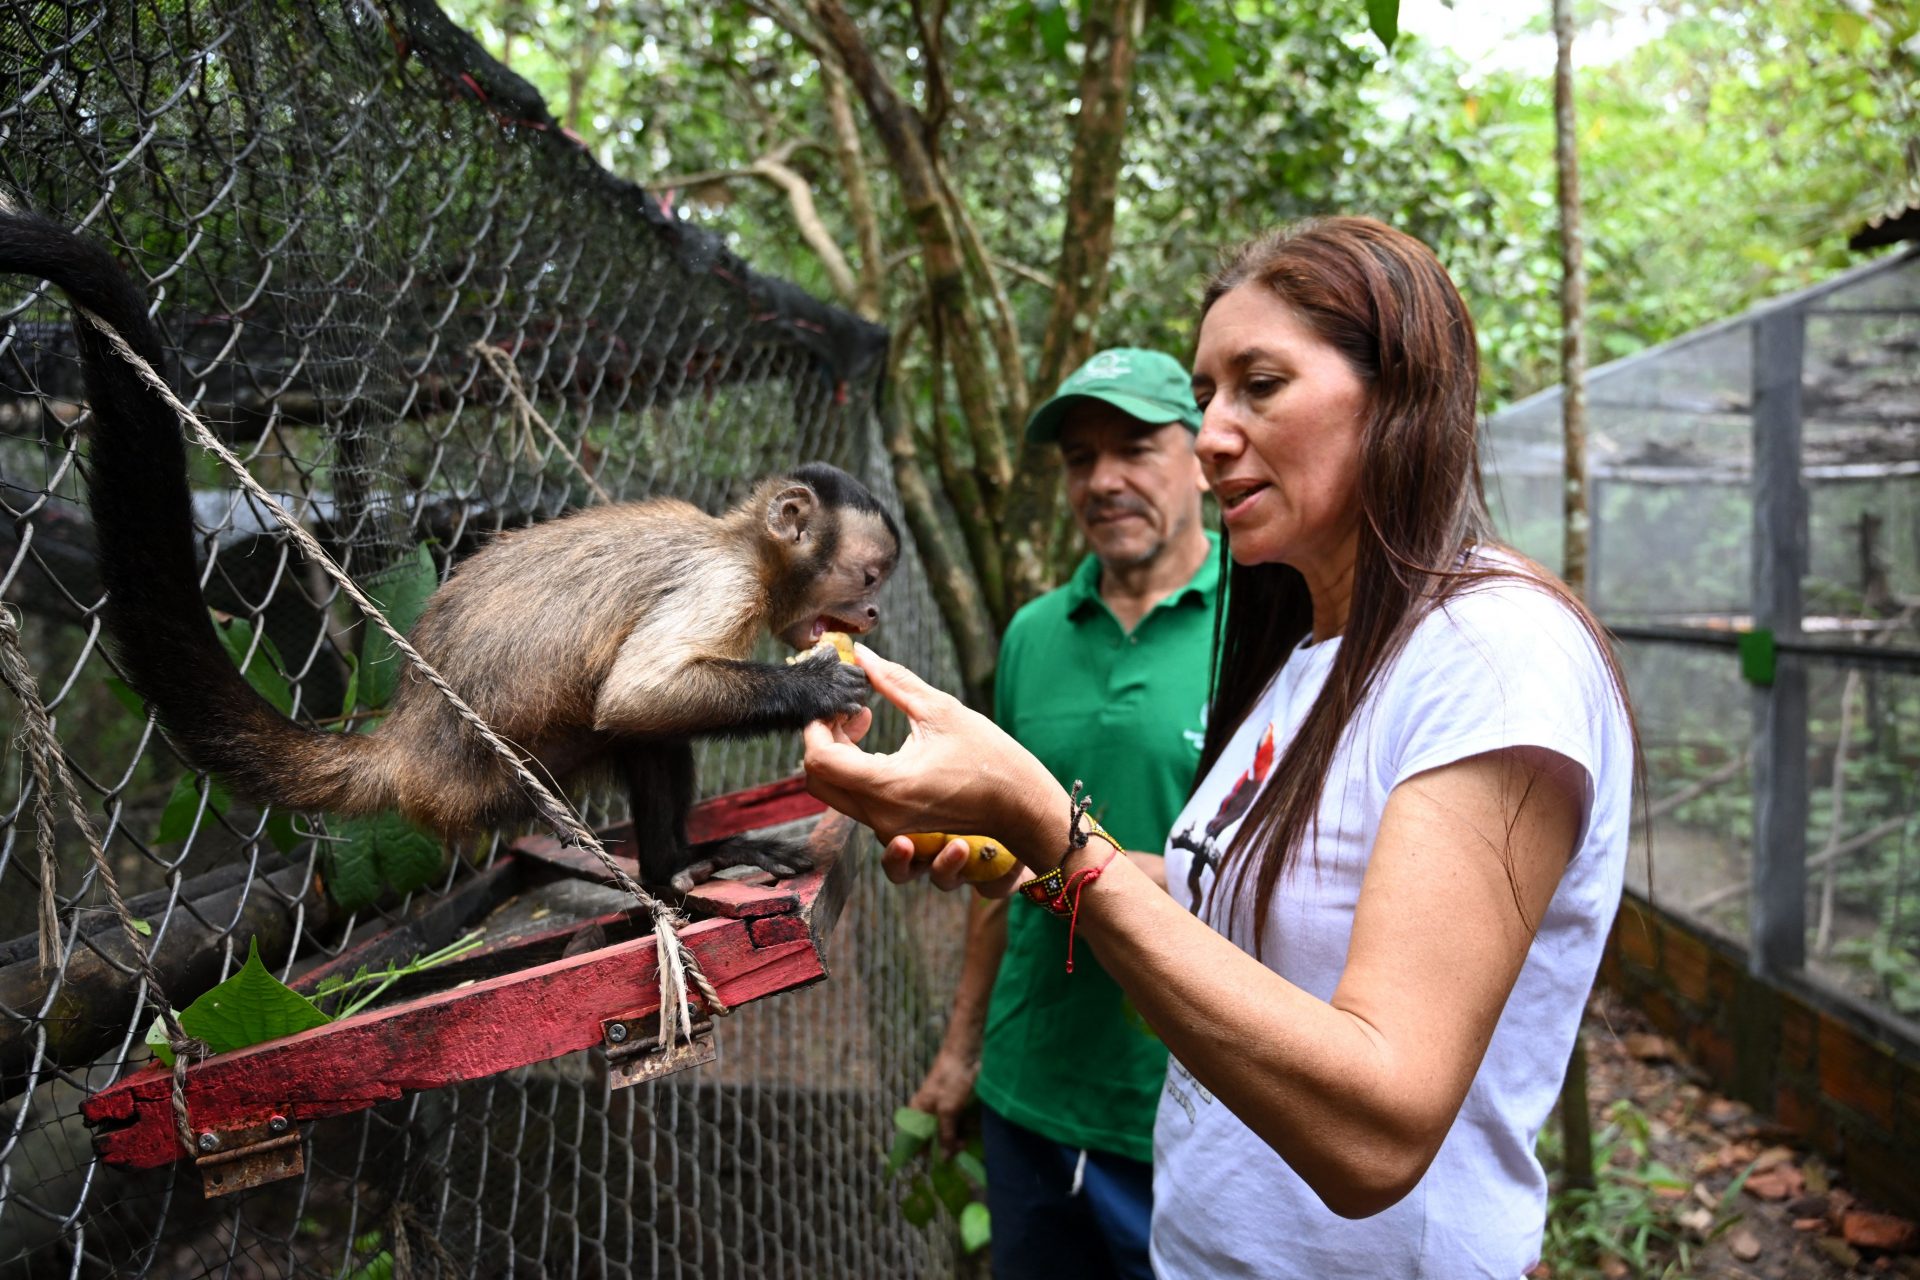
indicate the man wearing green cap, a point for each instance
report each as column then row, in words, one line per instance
column 1105, row 680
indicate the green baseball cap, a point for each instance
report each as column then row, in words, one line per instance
column 1146, row 385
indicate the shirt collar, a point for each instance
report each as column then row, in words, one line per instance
column 1083, row 588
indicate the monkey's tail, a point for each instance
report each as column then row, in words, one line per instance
column 143, row 521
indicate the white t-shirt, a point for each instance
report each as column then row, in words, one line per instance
column 1504, row 665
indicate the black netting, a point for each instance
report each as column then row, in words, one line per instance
column 332, row 205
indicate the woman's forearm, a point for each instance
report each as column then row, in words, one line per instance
column 1316, row 1084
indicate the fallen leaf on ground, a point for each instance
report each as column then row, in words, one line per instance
column 1878, row 1231
column 1646, row 1046
column 1724, row 1111
column 1771, row 1158
column 1837, row 1249
column 1815, row 1172
column 1775, row 1184
column 1810, row 1224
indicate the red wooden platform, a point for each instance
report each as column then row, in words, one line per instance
column 566, row 966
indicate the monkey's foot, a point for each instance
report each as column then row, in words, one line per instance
column 780, row 858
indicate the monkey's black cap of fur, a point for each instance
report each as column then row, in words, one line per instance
column 839, row 489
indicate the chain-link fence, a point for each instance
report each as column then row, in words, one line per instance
column 334, row 207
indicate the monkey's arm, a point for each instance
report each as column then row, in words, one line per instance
column 650, row 695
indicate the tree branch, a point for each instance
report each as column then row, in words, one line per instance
column 933, row 49
column 1005, row 330
column 1110, row 33
column 853, row 176
column 790, row 22
column 942, row 259
column 806, row 216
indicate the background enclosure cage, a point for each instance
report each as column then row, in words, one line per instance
column 1755, row 545
column 334, row 207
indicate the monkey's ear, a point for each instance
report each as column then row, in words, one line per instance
column 790, row 514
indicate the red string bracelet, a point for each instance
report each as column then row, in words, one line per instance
column 1077, row 882
column 1050, row 890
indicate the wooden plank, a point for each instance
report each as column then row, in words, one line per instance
column 753, row 809
column 435, row 1041
column 493, row 1025
column 1778, row 924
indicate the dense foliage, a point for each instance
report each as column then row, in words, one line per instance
column 1725, row 159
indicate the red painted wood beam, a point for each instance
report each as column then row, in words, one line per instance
column 435, row 1041
column 495, row 1025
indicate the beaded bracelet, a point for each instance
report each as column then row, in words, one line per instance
column 1058, row 892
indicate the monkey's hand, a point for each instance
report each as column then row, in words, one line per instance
column 827, row 688
column 782, row 858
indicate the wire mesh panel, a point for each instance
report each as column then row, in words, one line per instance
column 1801, row 693
column 367, row 242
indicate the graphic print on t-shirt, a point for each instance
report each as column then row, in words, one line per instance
column 1206, row 849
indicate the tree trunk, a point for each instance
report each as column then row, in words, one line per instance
column 1576, row 1120
column 1111, row 35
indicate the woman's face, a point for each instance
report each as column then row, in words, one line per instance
column 1279, row 440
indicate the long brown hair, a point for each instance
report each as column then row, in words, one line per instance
column 1380, row 298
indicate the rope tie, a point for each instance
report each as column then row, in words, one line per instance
column 677, row 965
column 47, row 762
column 529, row 417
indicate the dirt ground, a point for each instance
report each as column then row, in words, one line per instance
column 1790, row 1218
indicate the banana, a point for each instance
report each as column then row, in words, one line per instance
column 987, row 858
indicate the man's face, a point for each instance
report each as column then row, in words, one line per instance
column 1133, row 488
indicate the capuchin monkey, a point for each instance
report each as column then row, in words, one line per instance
column 611, row 637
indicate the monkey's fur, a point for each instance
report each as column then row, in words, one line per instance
column 613, row 636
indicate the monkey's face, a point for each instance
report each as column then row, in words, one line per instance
column 848, row 571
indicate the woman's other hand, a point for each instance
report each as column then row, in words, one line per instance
column 956, row 771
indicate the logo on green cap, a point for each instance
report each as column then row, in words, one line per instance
column 1147, row 385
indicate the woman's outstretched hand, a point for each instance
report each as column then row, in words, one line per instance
column 956, row 771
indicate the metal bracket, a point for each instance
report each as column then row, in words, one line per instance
column 634, row 1055
column 240, row 1159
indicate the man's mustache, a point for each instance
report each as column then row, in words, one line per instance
column 1107, row 509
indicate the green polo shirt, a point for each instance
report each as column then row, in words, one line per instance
column 1063, row 1055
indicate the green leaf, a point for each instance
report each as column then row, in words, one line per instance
column 971, row 1165
column 1050, row 19
column 280, row 831
column 123, row 694
column 918, row 1206
column 401, row 591
column 252, row 1007
column 142, row 928
column 1223, row 58
column 951, row 1186
column 349, row 704
column 184, row 807
column 921, row 1124
column 352, row 875
column 264, row 669
column 1384, row 17
column 157, row 1040
column 384, row 849
column 380, row 1268
column 905, row 1147
column 976, row 1228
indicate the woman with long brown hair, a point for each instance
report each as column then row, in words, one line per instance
column 1389, row 892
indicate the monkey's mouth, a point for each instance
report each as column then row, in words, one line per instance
column 806, row 634
column 827, row 622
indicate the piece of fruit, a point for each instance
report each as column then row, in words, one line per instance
column 838, row 641
column 987, row 858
